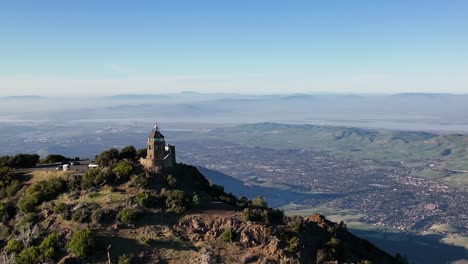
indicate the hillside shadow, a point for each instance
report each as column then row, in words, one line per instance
column 158, row 218
column 420, row 249
column 120, row 245
column 171, row 244
column 275, row 197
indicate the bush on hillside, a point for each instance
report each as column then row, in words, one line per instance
column 6, row 176
column 171, row 181
column 48, row 246
column 140, row 181
column 127, row 216
column 123, row 171
column 292, row 244
column 227, row 235
column 273, row 216
column 54, row 158
column 125, row 259
column 102, row 216
column 8, row 184
column 294, row 222
column 13, row 188
column 82, row 243
column 41, row 192
column 14, row 246
column 29, row 255
column 146, row 199
column 259, row 202
column 95, row 177
column 196, row 200
column 64, row 210
column 81, row 215
column 7, row 211
column 44, row 253
column 176, row 201
column 128, row 153
column 24, row 161
column 108, row 157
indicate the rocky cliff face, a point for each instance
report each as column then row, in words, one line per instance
column 317, row 241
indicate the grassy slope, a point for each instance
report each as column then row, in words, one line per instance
column 158, row 234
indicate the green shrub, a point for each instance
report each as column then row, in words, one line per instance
column 228, row 198
column 322, row 256
column 81, row 243
column 292, row 244
column 53, row 158
column 127, row 216
column 14, row 246
column 336, row 248
column 102, row 216
column 128, row 153
column 30, row 255
column 227, row 235
column 95, row 177
column 140, row 181
column 45, row 252
column 26, row 220
column 125, row 259
column 6, row 212
column 59, row 207
column 255, row 215
column 171, row 181
column 28, row 203
column 295, row 223
column 145, row 198
column 196, row 200
column 81, row 215
column 96, row 216
column 13, row 188
column 6, row 176
column 48, row 246
column 176, row 201
column 123, row 171
column 41, row 192
column 24, row 161
column 108, row 157
column 273, row 216
column 64, row 210
column 259, row 202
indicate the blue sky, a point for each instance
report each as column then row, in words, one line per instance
column 112, row 47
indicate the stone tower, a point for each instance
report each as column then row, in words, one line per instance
column 159, row 155
column 155, row 146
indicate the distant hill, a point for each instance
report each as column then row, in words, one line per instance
column 23, row 97
column 448, row 151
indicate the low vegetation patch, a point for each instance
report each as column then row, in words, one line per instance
column 82, row 243
column 127, row 216
column 41, row 192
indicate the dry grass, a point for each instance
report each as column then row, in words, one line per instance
column 37, row 175
column 461, row 241
column 444, row 228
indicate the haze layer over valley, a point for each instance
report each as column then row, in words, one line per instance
column 381, row 163
column 422, row 112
